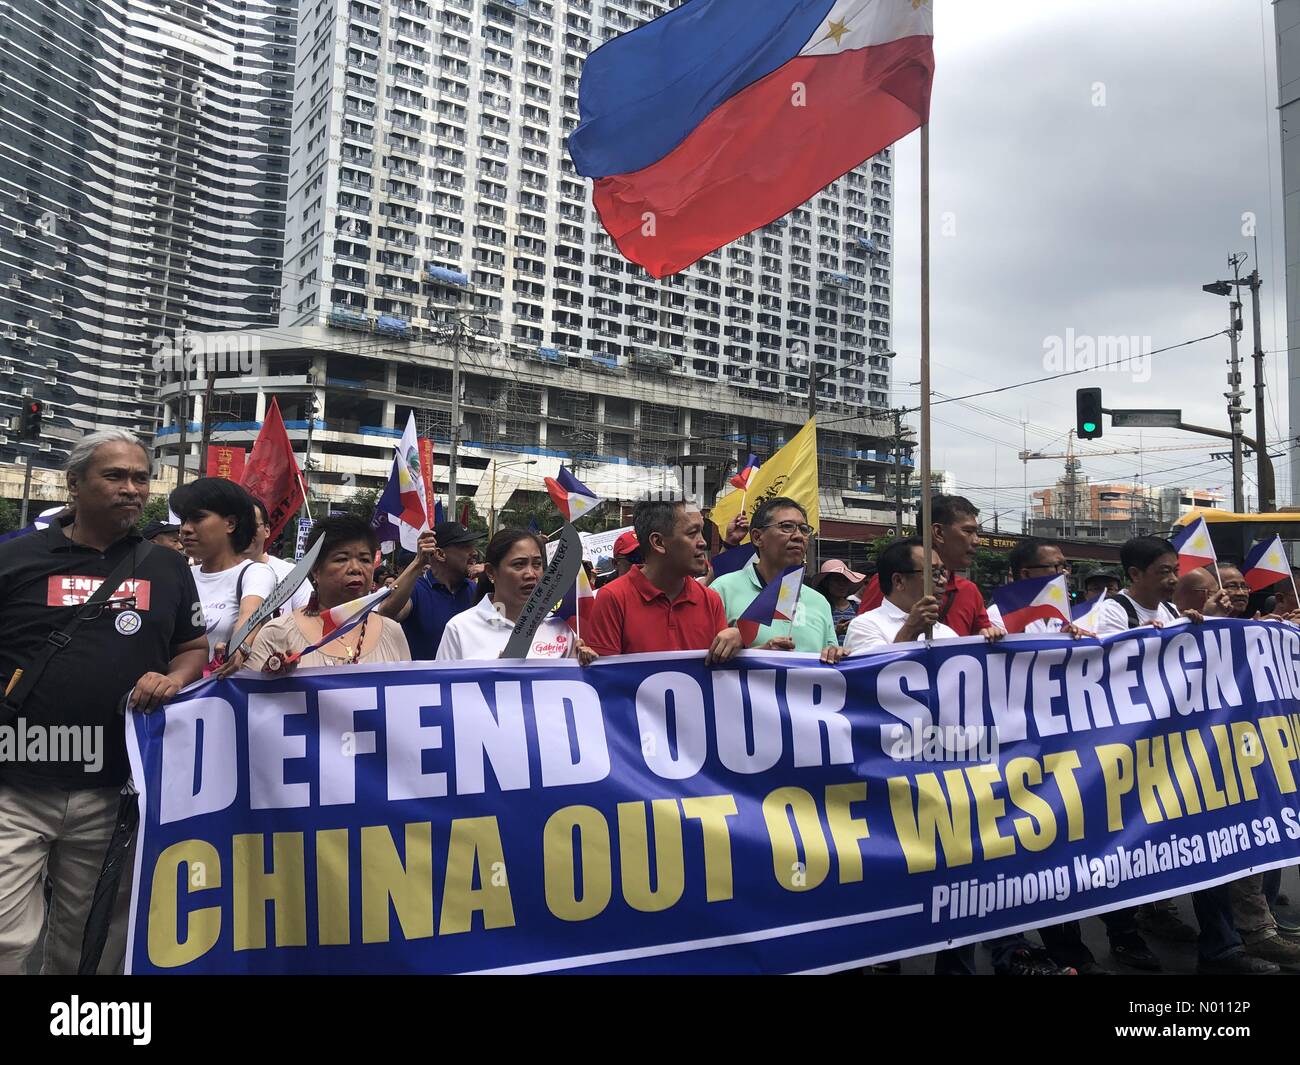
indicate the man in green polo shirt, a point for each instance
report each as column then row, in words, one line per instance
column 780, row 534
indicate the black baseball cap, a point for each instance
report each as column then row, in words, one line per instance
column 1106, row 573
column 157, row 528
column 451, row 533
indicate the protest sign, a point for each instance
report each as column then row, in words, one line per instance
column 653, row 814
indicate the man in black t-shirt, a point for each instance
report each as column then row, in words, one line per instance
column 62, row 747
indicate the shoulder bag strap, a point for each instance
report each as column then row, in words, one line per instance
column 25, row 679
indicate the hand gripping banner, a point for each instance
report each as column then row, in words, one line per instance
column 653, row 814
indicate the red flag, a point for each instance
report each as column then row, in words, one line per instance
column 464, row 515
column 227, row 462
column 272, row 473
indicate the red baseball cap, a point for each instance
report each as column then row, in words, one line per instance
column 626, row 544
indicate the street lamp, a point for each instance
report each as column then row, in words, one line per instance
column 492, row 503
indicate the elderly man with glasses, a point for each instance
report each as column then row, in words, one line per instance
column 780, row 533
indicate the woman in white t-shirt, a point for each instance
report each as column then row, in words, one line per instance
column 217, row 523
column 512, row 566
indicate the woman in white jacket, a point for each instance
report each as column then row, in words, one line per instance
column 512, row 566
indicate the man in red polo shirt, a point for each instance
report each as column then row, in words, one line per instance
column 659, row 605
column 956, row 531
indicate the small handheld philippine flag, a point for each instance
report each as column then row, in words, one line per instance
column 342, row 619
column 1035, row 599
column 1087, row 615
column 776, row 602
column 570, row 495
column 1266, row 564
column 741, row 480
column 1195, row 548
column 577, row 601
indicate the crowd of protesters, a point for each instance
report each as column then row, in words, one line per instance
column 94, row 608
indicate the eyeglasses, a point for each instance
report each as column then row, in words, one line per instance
column 790, row 527
column 1236, row 586
column 940, row 572
column 1055, row 567
column 92, row 613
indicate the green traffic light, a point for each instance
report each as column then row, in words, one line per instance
column 1089, row 427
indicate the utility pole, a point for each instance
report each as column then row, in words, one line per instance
column 1264, row 468
column 205, row 436
column 898, row 472
column 455, row 420
column 27, row 491
column 183, row 452
column 1233, row 396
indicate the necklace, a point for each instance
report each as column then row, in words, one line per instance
column 351, row 655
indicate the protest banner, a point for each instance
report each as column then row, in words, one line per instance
column 653, row 814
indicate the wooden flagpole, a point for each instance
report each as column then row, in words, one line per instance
column 927, row 533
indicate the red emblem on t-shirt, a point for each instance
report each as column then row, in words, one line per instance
column 68, row 589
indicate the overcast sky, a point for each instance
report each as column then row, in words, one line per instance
column 1106, row 220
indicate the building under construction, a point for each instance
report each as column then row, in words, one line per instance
column 630, row 429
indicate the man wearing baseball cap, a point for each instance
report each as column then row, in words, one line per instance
column 425, row 602
column 627, row 553
column 163, row 534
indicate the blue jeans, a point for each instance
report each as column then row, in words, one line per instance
column 1219, row 939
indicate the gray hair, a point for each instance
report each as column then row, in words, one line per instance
column 83, row 452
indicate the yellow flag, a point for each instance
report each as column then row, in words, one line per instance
column 791, row 472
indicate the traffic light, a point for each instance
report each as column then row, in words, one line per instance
column 29, row 422
column 1088, row 405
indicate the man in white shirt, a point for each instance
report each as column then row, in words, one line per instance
column 1151, row 566
column 257, row 552
column 906, row 610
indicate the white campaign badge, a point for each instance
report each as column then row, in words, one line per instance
column 128, row 623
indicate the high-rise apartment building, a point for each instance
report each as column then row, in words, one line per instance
column 143, row 154
column 429, row 147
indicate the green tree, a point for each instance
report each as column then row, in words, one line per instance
column 8, row 515
column 988, row 570
column 361, row 503
column 154, row 510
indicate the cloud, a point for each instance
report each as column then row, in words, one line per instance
column 1092, row 163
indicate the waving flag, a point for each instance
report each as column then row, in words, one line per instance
column 1195, row 548
column 572, row 496
column 741, row 480
column 776, row 602
column 1031, row 600
column 723, row 115
column 271, row 473
column 1086, row 615
column 342, row 619
column 401, row 512
column 792, row 472
column 1266, row 564
column 577, row 601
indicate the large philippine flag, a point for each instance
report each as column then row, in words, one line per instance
column 776, row 602
column 1031, row 600
column 1266, row 564
column 723, row 115
column 1195, row 548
